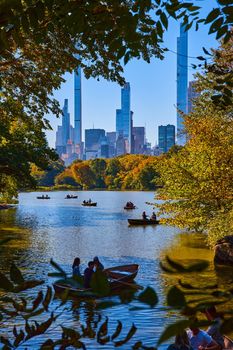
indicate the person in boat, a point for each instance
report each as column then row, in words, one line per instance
column 89, row 200
column 84, row 202
column 214, row 329
column 76, row 267
column 47, row 196
column 201, row 340
column 181, row 342
column 88, row 274
column 98, row 264
column 153, row 216
column 144, row 216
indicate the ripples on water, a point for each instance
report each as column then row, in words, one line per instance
column 62, row 229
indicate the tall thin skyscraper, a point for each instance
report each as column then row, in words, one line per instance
column 124, row 118
column 77, row 107
column 182, row 83
column 166, row 137
column 65, row 123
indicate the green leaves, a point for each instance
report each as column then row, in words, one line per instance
column 173, row 330
column 174, row 266
column 212, row 15
column 16, row 275
column 5, row 283
column 176, row 298
column 99, row 283
column 148, row 296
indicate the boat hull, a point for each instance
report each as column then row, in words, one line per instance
column 129, row 208
column 43, row 197
column 89, row 204
column 228, row 343
column 142, row 222
column 118, row 277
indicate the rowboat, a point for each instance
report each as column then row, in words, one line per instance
column 43, row 197
column 143, row 222
column 92, row 204
column 130, row 207
column 71, row 196
column 118, row 276
column 228, row 343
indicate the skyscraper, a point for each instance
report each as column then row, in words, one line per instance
column 77, row 107
column 139, row 139
column 93, row 138
column 166, row 137
column 65, row 123
column 182, row 83
column 124, row 118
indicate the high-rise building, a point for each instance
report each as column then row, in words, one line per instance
column 58, row 143
column 77, row 107
column 65, row 123
column 111, row 138
column 93, row 138
column 138, row 139
column 124, row 118
column 166, row 137
column 192, row 94
column 182, row 83
column 120, row 145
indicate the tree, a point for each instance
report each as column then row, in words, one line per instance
column 198, row 180
column 47, row 177
column 83, row 175
column 98, row 166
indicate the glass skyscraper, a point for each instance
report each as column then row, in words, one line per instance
column 166, row 137
column 77, row 107
column 65, row 123
column 124, row 118
column 182, row 83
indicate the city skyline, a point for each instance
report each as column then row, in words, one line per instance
column 153, row 89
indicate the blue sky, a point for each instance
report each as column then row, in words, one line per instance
column 153, row 87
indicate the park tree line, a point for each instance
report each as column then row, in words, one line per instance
column 132, row 172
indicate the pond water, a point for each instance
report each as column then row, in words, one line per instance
column 62, row 229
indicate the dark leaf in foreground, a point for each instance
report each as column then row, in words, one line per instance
column 130, row 334
column 176, row 298
column 148, row 296
column 16, row 275
column 173, row 329
column 5, row 283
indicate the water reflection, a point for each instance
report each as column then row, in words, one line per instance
column 62, row 229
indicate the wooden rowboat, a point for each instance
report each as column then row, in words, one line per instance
column 228, row 343
column 132, row 207
column 119, row 277
column 71, row 196
column 92, row 204
column 43, row 197
column 143, row 222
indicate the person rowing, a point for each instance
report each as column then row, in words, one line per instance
column 144, row 216
column 88, row 274
column 98, row 264
column 153, row 216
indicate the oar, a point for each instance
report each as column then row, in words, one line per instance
column 131, row 285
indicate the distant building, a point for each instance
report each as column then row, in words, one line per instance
column 166, row 137
column 192, row 94
column 77, row 107
column 120, row 145
column 138, row 139
column 124, row 118
column 111, row 139
column 60, row 148
column 65, row 123
column 93, row 138
column 182, row 83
